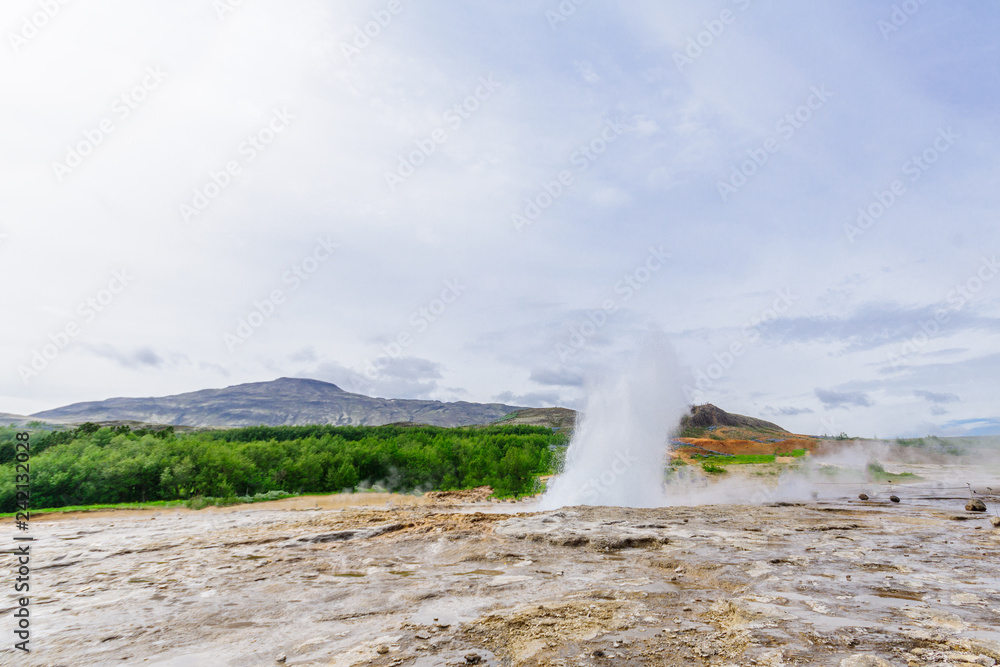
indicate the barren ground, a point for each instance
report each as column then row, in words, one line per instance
column 832, row 582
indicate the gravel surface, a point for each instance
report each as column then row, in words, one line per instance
column 831, row 582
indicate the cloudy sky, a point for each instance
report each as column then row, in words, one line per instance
column 493, row 201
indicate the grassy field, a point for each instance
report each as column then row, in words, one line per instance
column 156, row 504
column 880, row 474
column 744, row 459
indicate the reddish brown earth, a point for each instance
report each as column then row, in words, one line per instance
column 750, row 446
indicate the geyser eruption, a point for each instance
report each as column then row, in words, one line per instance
column 618, row 453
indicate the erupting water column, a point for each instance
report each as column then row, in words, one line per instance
column 618, row 452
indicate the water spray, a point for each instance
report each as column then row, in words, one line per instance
column 619, row 451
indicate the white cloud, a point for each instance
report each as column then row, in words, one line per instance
column 655, row 184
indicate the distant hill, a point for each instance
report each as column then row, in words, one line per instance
column 704, row 416
column 285, row 401
column 8, row 419
column 559, row 418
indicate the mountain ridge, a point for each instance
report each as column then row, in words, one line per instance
column 281, row 402
column 288, row 401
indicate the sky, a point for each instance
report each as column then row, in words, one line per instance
column 495, row 201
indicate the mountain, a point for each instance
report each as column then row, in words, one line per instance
column 708, row 415
column 285, row 401
column 290, row 401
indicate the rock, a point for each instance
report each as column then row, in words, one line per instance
column 995, row 520
column 975, row 505
column 894, row 499
column 590, row 530
column 382, row 650
column 352, row 534
column 864, row 660
column 969, row 659
column 281, row 659
column 473, row 658
column 863, row 496
column 935, row 619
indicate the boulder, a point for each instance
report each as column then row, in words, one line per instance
column 975, row 505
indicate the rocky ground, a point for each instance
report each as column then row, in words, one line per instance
column 832, row 582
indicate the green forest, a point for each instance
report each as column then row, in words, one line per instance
column 93, row 465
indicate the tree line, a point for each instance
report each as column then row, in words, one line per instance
column 91, row 465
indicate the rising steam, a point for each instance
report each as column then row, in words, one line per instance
column 619, row 450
